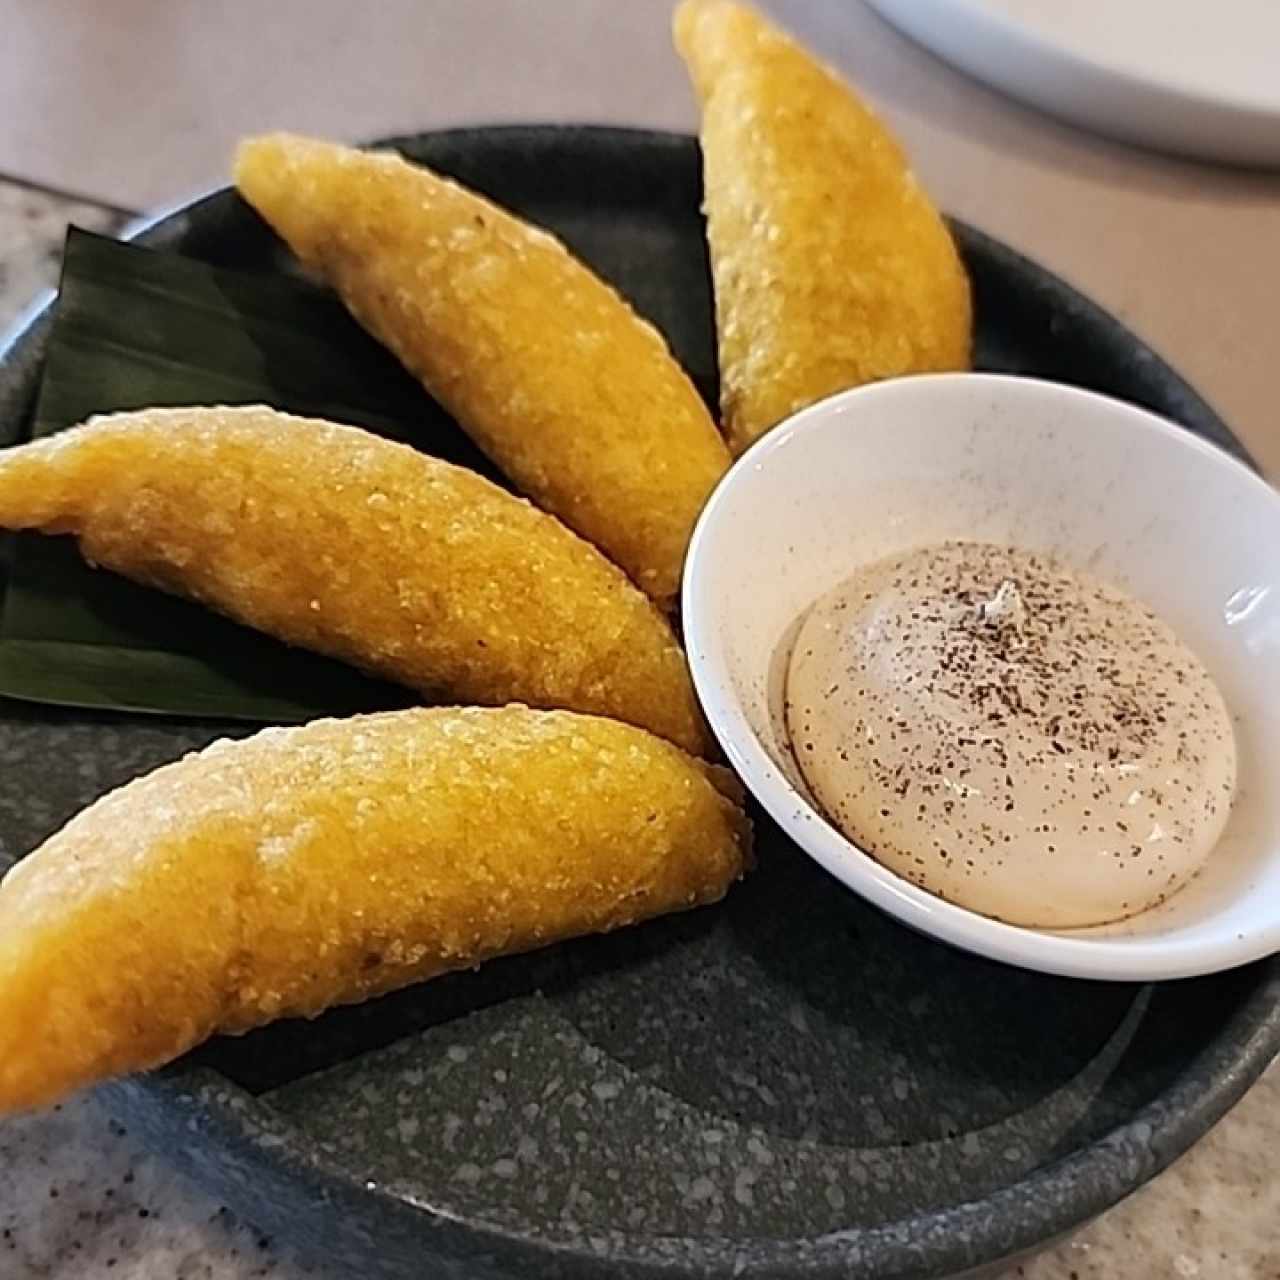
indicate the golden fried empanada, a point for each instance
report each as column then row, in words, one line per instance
column 553, row 374
column 831, row 266
column 342, row 542
column 324, row 864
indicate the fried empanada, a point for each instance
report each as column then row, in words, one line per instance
column 336, row 540
column 325, row 864
column 831, row 266
column 575, row 397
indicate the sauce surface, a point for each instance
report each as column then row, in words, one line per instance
column 1011, row 735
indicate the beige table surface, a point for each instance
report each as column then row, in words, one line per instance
column 133, row 104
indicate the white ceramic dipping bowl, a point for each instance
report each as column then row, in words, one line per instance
column 1109, row 488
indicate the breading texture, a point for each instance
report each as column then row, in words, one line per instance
column 575, row 397
column 325, row 864
column 339, row 541
column 831, row 267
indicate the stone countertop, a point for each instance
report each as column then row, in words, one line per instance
column 33, row 224
column 80, row 1198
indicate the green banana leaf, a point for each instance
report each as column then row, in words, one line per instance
column 136, row 327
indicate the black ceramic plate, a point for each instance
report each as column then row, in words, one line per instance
column 789, row 1084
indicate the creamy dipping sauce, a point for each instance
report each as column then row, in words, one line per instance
column 1010, row 734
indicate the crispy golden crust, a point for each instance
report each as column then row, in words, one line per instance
column 831, row 267
column 575, row 397
column 339, row 541
column 322, row 865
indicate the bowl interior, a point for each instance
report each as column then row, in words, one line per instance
column 1109, row 488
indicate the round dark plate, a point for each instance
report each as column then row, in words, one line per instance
column 789, row 1084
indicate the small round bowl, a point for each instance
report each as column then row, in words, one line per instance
column 1111, row 489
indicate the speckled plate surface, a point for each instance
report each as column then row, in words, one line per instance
column 789, row 1084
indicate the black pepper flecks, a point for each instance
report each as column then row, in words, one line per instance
column 1022, row 705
